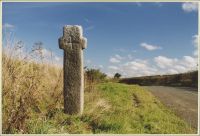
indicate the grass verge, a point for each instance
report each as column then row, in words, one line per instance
column 112, row 108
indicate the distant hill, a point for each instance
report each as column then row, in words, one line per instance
column 189, row 79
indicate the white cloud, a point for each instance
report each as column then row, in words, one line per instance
column 189, row 61
column 195, row 40
column 118, row 57
column 172, row 71
column 137, row 68
column 136, row 65
column 6, row 25
column 150, row 47
column 128, row 66
column 195, row 43
column 159, row 65
column 195, row 52
column 190, row 6
column 180, row 68
column 186, row 63
column 132, row 68
column 164, row 62
column 114, row 60
column 113, row 67
column 130, row 56
column 139, row 4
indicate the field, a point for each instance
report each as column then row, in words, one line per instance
column 33, row 103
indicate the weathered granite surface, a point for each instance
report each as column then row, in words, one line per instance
column 73, row 43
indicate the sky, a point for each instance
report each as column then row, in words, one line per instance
column 133, row 39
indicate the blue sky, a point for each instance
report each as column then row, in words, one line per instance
column 134, row 39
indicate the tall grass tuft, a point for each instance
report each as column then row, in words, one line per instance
column 31, row 88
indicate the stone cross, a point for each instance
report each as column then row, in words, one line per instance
column 73, row 43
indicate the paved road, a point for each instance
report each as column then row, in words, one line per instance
column 182, row 100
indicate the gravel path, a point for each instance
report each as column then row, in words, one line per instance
column 182, row 100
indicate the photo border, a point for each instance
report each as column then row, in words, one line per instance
column 86, row 1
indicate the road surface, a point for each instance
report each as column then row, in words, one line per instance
column 182, row 100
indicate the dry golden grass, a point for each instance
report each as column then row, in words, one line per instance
column 28, row 87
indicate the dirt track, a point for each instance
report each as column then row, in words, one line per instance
column 182, row 100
